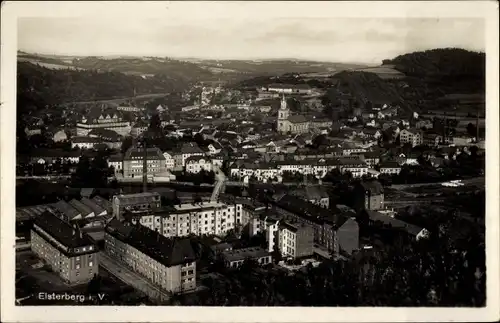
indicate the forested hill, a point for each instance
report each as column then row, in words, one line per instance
column 38, row 86
column 452, row 62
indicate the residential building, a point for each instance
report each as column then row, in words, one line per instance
column 169, row 160
column 236, row 257
column 411, row 136
column 390, row 168
column 169, row 263
column 139, row 128
column 68, row 251
column 196, row 164
column 314, row 194
column 116, row 161
column 369, row 195
column 205, row 218
column 187, row 150
column 295, row 239
column 324, row 223
column 133, row 164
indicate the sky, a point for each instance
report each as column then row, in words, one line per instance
column 354, row 40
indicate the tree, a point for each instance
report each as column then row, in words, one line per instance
column 127, row 143
column 471, row 130
column 155, row 123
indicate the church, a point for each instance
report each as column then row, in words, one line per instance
column 297, row 124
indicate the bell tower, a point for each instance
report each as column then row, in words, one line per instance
column 283, row 114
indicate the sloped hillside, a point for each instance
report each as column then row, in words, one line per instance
column 38, row 86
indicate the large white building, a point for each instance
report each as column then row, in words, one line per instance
column 205, row 218
column 98, row 119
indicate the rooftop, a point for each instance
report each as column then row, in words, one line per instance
column 138, row 153
column 61, row 231
column 242, row 254
column 198, row 206
column 167, row 251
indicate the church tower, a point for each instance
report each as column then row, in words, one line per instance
column 283, row 114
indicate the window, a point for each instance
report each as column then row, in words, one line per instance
column 77, row 266
column 90, row 263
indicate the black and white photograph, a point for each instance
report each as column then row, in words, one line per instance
column 248, row 155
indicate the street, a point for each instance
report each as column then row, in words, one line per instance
column 131, row 278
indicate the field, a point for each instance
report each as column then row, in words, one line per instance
column 52, row 66
column 384, row 72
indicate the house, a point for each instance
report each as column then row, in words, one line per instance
column 139, row 128
column 369, row 195
column 214, row 148
column 314, row 194
column 424, row 124
column 187, row 150
column 196, row 164
column 49, row 156
column 412, row 136
column 390, row 168
column 116, row 161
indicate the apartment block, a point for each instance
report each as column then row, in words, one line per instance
column 69, row 251
column 169, row 263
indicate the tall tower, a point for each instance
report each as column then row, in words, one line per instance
column 283, row 114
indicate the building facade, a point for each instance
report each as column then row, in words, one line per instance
column 133, row 162
column 68, row 251
column 170, row 264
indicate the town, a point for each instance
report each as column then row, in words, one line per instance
column 294, row 189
